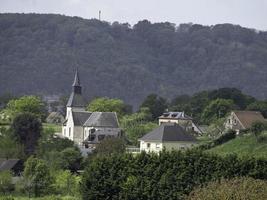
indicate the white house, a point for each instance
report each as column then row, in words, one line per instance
column 82, row 126
column 169, row 136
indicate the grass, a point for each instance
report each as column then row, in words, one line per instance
column 56, row 127
column 245, row 145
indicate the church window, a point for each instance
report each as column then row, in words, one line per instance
column 69, row 131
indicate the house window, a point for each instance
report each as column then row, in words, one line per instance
column 69, row 131
column 64, row 132
column 193, row 128
column 235, row 122
column 229, row 121
column 148, row 145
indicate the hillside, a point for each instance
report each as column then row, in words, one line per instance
column 38, row 54
column 242, row 146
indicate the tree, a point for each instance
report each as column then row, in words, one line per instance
column 37, row 176
column 70, row 159
column 66, row 183
column 5, row 182
column 110, row 146
column 217, row 109
column 9, row 148
column 258, row 106
column 29, row 104
column 257, row 128
column 27, row 130
column 104, row 104
column 156, row 105
column 236, row 189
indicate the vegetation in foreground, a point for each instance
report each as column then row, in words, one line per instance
column 235, row 189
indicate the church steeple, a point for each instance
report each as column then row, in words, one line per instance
column 77, row 88
column 76, row 100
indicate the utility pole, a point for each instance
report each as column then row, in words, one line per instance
column 99, row 15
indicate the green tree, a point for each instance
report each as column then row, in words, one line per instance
column 9, row 148
column 257, row 128
column 27, row 128
column 217, row 109
column 70, row 159
column 29, row 104
column 258, row 106
column 5, row 182
column 37, row 176
column 104, row 104
column 66, row 183
column 156, row 105
column 110, row 146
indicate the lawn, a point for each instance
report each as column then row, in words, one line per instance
column 246, row 145
column 56, row 127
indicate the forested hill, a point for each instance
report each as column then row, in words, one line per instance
column 39, row 52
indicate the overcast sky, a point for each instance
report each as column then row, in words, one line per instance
column 247, row 13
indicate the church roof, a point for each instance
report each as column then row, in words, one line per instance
column 76, row 81
column 80, row 117
column 169, row 132
column 103, row 119
column 76, row 100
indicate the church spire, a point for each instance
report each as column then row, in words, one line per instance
column 76, row 99
column 76, row 81
column 77, row 88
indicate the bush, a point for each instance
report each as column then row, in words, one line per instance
column 225, row 137
column 169, row 175
column 235, row 189
column 6, row 182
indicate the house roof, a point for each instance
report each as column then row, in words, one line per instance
column 174, row 115
column 103, row 119
column 8, row 164
column 168, row 132
column 247, row 118
column 80, row 117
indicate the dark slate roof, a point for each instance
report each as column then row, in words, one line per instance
column 76, row 100
column 8, row 164
column 80, row 117
column 103, row 119
column 168, row 132
column 174, row 115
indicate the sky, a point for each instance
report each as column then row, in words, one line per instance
column 247, row 13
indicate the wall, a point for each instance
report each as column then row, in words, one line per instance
column 158, row 146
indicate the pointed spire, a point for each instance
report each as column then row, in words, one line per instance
column 76, row 81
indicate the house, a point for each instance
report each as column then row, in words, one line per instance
column 241, row 120
column 169, row 136
column 13, row 165
column 82, row 126
column 180, row 118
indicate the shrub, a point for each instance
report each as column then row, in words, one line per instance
column 235, row 189
column 225, row 137
column 6, row 182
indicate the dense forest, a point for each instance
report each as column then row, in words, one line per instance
column 39, row 52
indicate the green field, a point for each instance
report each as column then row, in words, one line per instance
column 56, row 127
column 57, row 197
column 246, row 145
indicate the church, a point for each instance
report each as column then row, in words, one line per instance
column 83, row 127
